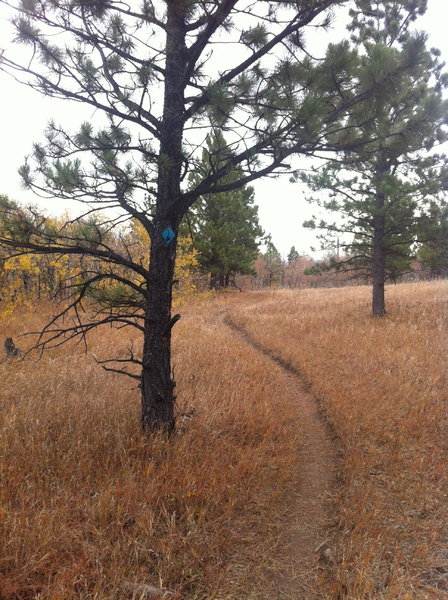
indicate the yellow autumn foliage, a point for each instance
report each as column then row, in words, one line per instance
column 28, row 277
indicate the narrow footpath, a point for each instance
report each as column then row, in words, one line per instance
column 308, row 547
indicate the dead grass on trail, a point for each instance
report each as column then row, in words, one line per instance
column 383, row 385
column 87, row 502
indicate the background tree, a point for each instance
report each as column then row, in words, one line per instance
column 293, row 255
column 433, row 249
column 379, row 189
column 224, row 226
column 146, row 72
column 273, row 265
column 295, row 273
column 352, row 197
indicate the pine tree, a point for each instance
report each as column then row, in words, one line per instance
column 433, row 249
column 145, row 73
column 273, row 264
column 379, row 190
column 224, row 226
column 293, row 255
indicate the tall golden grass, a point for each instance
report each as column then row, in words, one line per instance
column 382, row 384
column 87, row 502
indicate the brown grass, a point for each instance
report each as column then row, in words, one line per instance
column 87, row 502
column 382, row 384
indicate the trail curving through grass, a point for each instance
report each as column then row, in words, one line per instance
column 314, row 510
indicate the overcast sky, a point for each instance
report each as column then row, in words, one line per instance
column 282, row 206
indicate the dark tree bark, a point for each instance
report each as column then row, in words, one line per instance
column 157, row 383
column 379, row 250
column 379, row 268
column 219, row 281
column 213, row 281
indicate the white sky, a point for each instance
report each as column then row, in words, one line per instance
column 282, row 206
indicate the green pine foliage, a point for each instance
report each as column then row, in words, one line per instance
column 433, row 249
column 273, row 265
column 293, row 255
column 224, row 226
column 380, row 188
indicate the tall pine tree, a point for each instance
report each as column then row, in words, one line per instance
column 224, row 226
column 379, row 190
column 293, row 255
column 273, row 265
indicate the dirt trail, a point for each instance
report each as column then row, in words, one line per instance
column 313, row 511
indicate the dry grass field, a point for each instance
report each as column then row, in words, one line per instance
column 87, row 502
column 382, row 384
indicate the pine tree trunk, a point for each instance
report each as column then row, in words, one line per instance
column 379, row 250
column 157, row 382
column 213, row 282
column 379, row 269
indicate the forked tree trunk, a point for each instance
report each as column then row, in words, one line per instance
column 157, row 382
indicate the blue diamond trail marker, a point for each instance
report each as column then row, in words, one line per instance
column 168, row 235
